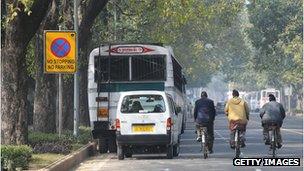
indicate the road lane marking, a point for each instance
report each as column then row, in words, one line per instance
column 222, row 137
column 292, row 131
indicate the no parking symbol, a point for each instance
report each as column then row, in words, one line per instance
column 59, row 52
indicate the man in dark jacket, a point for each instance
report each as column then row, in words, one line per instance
column 204, row 114
column 272, row 112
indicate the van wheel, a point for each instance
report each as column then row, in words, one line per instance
column 102, row 145
column 120, row 152
column 183, row 129
column 128, row 152
column 176, row 149
column 170, row 152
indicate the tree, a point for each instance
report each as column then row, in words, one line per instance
column 170, row 22
column 44, row 117
column 90, row 11
column 23, row 21
column 277, row 36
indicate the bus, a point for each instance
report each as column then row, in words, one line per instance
column 266, row 92
column 116, row 68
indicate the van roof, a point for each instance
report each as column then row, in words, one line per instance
column 143, row 92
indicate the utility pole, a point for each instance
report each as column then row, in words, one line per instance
column 76, row 75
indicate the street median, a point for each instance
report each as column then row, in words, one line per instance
column 73, row 159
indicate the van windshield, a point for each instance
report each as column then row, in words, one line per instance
column 143, row 104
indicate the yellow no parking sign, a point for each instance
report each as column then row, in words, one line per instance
column 59, row 51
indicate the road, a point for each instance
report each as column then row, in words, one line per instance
column 190, row 158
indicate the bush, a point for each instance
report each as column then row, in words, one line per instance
column 13, row 156
column 39, row 137
column 85, row 135
column 50, row 143
column 52, row 148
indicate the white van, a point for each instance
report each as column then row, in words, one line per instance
column 147, row 122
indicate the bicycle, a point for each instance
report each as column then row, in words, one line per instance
column 273, row 137
column 237, row 140
column 204, row 140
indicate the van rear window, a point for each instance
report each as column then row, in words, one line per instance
column 143, row 104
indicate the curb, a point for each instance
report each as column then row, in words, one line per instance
column 71, row 160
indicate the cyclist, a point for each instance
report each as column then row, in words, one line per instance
column 272, row 112
column 204, row 114
column 238, row 114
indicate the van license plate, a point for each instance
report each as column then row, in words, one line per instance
column 142, row 128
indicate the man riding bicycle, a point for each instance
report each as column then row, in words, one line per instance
column 238, row 114
column 272, row 112
column 204, row 114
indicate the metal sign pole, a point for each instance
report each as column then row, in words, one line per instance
column 76, row 75
column 60, row 101
column 60, row 105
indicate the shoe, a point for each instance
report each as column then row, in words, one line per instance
column 279, row 145
column 198, row 139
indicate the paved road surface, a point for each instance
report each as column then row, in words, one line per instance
column 190, row 158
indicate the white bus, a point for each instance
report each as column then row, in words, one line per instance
column 115, row 68
column 264, row 96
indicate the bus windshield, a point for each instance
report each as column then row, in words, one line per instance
column 143, row 104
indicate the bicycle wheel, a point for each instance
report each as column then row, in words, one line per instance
column 204, row 143
column 273, row 143
column 237, row 144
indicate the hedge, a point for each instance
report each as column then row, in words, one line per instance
column 52, row 143
column 13, row 156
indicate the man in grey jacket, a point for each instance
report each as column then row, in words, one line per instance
column 272, row 112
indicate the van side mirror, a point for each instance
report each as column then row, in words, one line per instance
column 178, row 109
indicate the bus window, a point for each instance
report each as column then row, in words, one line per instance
column 148, row 67
column 119, row 68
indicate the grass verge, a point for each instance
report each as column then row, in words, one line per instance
column 39, row 161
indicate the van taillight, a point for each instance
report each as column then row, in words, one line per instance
column 117, row 123
column 169, row 124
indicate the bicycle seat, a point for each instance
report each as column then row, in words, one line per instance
column 272, row 124
column 203, row 125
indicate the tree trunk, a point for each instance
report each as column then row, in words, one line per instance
column 14, row 113
column 92, row 10
column 19, row 32
column 45, row 97
column 46, row 84
column 68, row 107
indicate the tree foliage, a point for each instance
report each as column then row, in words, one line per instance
column 187, row 26
column 276, row 34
